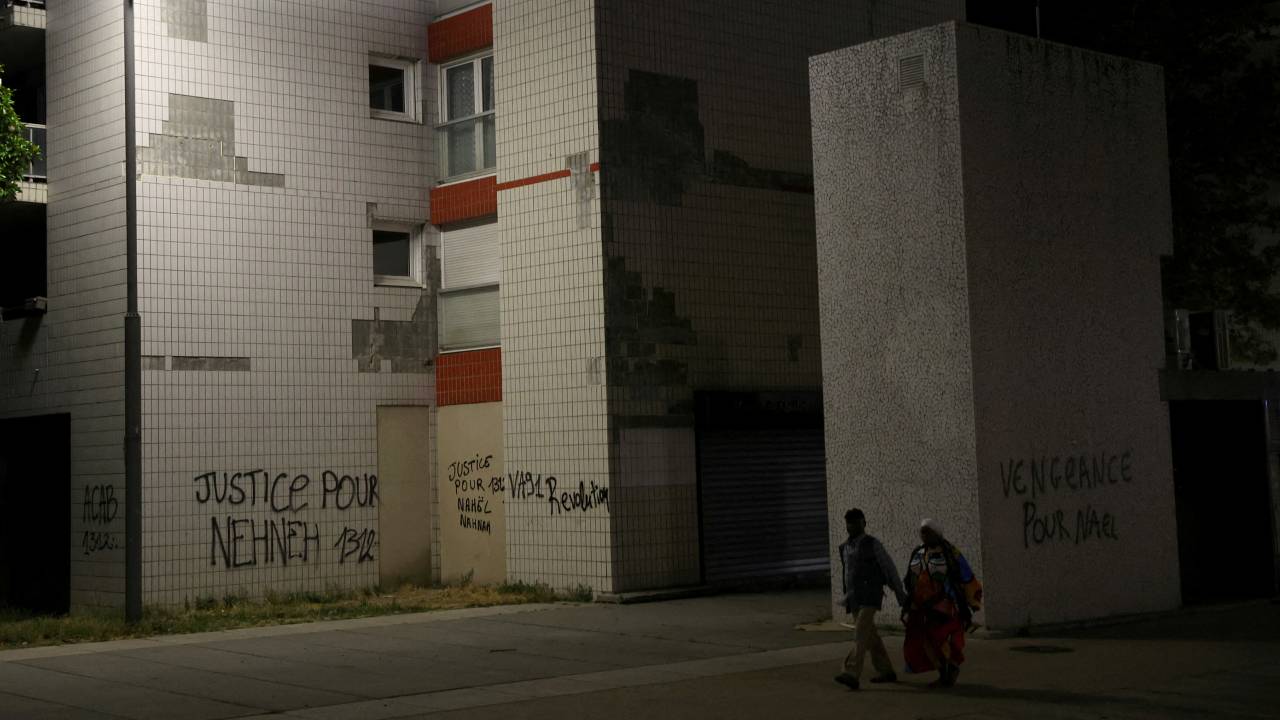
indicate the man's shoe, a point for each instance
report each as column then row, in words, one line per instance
column 953, row 673
column 847, row 680
column 890, row 678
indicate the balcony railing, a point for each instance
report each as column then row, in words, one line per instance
column 27, row 3
column 466, row 146
column 39, row 170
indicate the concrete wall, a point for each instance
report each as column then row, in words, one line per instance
column 267, row 344
column 1066, row 214
column 72, row 359
column 989, row 243
column 708, row 234
column 472, row 492
column 892, row 279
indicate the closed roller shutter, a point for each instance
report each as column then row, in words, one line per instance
column 470, row 255
column 763, row 493
column 469, row 318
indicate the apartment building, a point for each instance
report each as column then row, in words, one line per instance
column 428, row 291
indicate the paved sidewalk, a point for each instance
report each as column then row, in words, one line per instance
column 729, row 656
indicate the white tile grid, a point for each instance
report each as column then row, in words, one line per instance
column 740, row 261
column 276, row 275
column 552, row 306
column 77, row 347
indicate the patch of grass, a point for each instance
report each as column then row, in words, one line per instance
column 236, row 610
column 535, row 592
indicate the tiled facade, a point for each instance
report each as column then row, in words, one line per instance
column 709, row 252
column 553, row 320
column 260, row 173
column 469, row 377
column 653, row 201
column 72, row 359
column 466, row 200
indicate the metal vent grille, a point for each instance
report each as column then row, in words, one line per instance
column 910, row 72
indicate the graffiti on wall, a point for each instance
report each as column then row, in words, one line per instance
column 260, row 516
column 587, row 496
column 98, row 510
column 479, row 493
column 1061, row 495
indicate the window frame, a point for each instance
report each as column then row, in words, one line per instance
column 409, row 66
column 475, row 59
column 415, row 277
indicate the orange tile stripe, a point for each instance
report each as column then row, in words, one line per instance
column 465, row 378
column 555, row 175
column 479, row 198
column 464, row 200
column 461, row 34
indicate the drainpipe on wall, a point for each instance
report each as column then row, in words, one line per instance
column 132, row 349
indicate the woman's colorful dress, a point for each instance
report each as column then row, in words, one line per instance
column 944, row 595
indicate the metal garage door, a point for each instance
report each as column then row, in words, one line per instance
column 762, row 485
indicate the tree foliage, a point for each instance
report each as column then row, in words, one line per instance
column 16, row 152
column 1222, row 73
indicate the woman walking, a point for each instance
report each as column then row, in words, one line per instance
column 943, row 596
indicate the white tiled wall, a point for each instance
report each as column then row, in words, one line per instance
column 270, row 262
column 72, row 360
column 554, row 413
column 274, row 272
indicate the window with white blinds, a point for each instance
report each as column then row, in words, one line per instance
column 470, row 268
column 469, row 255
column 469, row 318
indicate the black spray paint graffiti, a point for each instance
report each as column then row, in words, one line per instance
column 463, row 468
column 230, row 488
column 582, row 499
column 243, row 542
column 358, row 543
column 1059, row 474
column 1090, row 524
column 98, row 511
column 477, row 494
column 362, row 490
column 1049, row 475
column 586, row 497
column 238, row 541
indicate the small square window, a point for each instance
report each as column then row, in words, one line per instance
column 391, row 88
column 386, row 88
column 395, row 256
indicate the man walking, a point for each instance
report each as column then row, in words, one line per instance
column 867, row 568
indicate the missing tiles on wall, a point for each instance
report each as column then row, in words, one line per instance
column 187, row 19
column 198, row 141
column 211, row 364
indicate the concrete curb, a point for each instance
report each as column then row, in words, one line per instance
column 631, row 598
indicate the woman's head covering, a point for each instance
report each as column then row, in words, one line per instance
column 933, row 525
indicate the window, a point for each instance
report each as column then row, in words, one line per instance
column 470, row 268
column 466, row 133
column 396, row 255
column 391, row 83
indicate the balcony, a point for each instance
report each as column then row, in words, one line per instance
column 22, row 14
column 467, row 146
